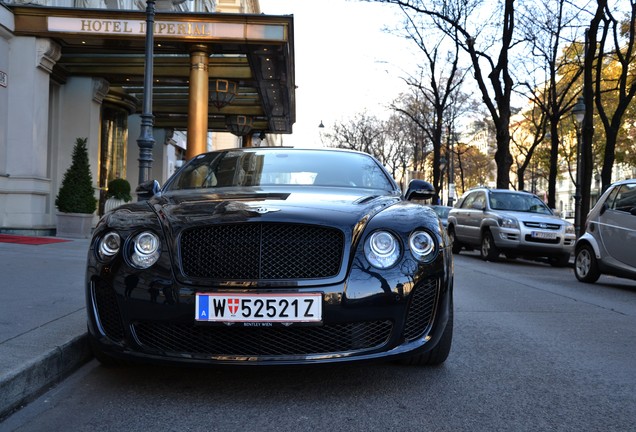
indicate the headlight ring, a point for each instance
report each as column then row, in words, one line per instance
column 382, row 249
column 422, row 245
column 145, row 249
column 109, row 246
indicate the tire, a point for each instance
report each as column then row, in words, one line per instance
column 585, row 264
column 489, row 250
column 439, row 353
column 456, row 246
column 560, row 260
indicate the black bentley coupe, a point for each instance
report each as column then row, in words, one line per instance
column 259, row 256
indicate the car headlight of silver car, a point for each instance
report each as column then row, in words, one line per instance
column 569, row 228
column 508, row 222
column 422, row 245
column 109, row 246
column 145, row 249
column 382, row 249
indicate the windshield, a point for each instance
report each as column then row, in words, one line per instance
column 517, row 202
column 268, row 167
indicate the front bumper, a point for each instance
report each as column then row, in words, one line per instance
column 133, row 315
column 524, row 241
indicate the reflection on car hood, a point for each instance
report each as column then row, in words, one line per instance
column 336, row 207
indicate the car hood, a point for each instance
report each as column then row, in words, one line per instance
column 334, row 207
column 532, row 217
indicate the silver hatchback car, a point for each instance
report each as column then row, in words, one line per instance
column 517, row 224
column 607, row 247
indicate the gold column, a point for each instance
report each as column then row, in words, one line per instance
column 198, row 105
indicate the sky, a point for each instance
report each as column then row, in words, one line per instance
column 344, row 62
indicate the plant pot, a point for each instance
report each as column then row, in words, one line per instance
column 112, row 203
column 74, row 225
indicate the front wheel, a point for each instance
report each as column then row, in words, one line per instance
column 456, row 246
column 489, row 250
column 585, row 264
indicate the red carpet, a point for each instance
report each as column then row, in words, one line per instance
column 27, row 240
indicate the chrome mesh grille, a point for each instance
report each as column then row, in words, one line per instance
column 108, row 313
column 262, row 341
column 421, row 309
column 261, row 251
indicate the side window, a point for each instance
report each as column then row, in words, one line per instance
column 625, row 198
column 469, row 200
column 480, row 201
column 611, row 198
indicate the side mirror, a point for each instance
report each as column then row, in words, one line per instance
column 419, row 189
column 147, row 190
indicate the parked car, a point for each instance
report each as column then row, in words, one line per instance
column 517, row 224
column 442, row 212
column 272, row 256
column 607, row 246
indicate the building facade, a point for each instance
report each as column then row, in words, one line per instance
column 75, row 68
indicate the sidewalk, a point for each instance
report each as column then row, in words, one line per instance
column 42, row 317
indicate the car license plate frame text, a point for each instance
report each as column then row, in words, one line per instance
column 259, row 308
column 544, row 235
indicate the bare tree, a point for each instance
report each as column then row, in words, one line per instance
column 550, row 76
column 413, row 112
column 364, row 132
column 464, row 22
column 527, row 135
column 621, row 57
column 587, row 134
column 367, row 133
column 406, row 140
column 439, row 79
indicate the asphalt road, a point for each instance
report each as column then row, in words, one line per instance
column 533, row 350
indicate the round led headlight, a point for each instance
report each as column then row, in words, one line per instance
column 422, row 245
column 109, row 246
column 382, row 249
column 145, row 249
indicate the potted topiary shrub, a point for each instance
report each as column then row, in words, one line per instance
column 75, row 200
column 118, row 193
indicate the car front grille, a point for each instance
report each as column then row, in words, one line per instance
column 108, row 314
column 421, row 309
column 261, row 251
column 209, row 341
column 543, row 225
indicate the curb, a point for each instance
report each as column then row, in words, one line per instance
column 34, row 377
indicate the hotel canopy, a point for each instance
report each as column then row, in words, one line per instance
column 252, row 53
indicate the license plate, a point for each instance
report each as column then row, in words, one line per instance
column 544, row 235
column 259, row 308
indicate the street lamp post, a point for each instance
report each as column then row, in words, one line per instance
column 451, row 173
column 443, row 162
column 146, row 140
column 578, row 113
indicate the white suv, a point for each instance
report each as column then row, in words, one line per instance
column 610, row 235
column 517, row 224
